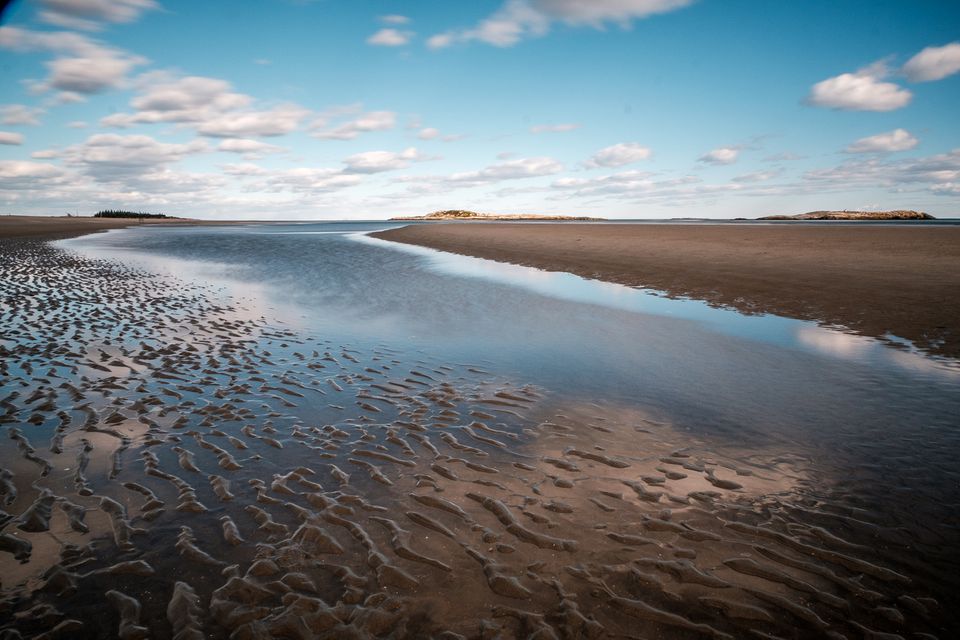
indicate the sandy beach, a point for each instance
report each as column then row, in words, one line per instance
column 872, row 279
column 67, row 226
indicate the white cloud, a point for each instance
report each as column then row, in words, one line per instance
column 896, row 140
column 308, row 180
column 619, row 155
column 598, row 12
column 390, row 38
column 108, row 156
column 243, row 170
column 367, row 122
column 380, row 161
column 933, row 63
column 84, row 66
column 89, row 75
column 758, row 176
column 249, row 148
column 640, row 186
column 207, row 104
column 244, row 124
column 440, row 40
column 723, row 155
column 161, row 93
column 11, row 138
column 516, row 20
column 510, row 170
column 934, row 173
column 86, row 14
column 860, row 91
column 395, row 19
column 428, row 133
column 193, row 99
column 20, row 114
column 554, row 128
column 23, row 174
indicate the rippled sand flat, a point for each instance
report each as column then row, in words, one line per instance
column 176, row 466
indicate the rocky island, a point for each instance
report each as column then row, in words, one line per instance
column 462, row 215
column 854, row 215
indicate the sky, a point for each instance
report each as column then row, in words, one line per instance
column 368, row 109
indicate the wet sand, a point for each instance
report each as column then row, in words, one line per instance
column 64, row 226
column 874, row 280
column 175, row 466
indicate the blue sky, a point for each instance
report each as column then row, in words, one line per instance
column 299, row 109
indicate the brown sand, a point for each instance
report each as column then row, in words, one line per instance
column 872, row 279
column 62, row 226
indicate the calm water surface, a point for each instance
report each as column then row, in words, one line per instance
column 706, row 367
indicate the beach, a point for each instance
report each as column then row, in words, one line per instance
column 67, row 226
column 877, row 280
column 196, row 463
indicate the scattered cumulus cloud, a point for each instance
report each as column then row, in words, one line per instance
column 394, row 19
column 107, row 155
column 380, row 161
column 510, row 170
column 18, row 114
column 209, row 105
column 517, row 20
column 723, row 155
column 88, row 14
column 554, row 128
column 277, row 121
column 82, row 66
column 428, row 133
column 11, row 138
column 24, row 174
column 619, row 155
column 864, row 90
column 390, row 38
column 759, row 176
column 365, row 123
column 933, row 63
column 896, row 140
column 249, row 148
column 938, row 174
column 308, row 180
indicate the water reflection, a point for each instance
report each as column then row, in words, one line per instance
column 784, row 332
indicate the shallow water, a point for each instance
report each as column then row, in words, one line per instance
column 624, row 463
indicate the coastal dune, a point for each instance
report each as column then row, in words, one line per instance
column 875, row 280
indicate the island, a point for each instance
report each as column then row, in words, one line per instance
column 462, row 215
column 855, row 215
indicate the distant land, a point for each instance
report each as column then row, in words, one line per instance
column 855, row 215
column 460, row 214
column 116, row 213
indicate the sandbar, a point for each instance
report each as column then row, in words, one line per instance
column 876, row 280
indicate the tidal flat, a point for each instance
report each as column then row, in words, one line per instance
column 287, row 431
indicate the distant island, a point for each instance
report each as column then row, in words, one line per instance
column 460, row 214
column 114, row 213
column 855, row 215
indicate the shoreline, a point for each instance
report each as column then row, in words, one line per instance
column 61, row 227
column 876, row 280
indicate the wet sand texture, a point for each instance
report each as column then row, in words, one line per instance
column 63, row 226
column 872, row 279
column 174, row 467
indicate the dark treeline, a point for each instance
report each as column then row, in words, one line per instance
column 112, row 213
